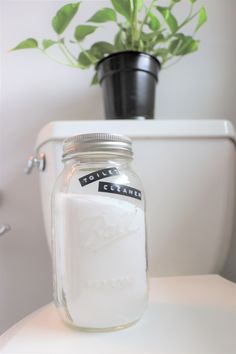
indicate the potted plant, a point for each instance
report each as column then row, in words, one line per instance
column 148, row 38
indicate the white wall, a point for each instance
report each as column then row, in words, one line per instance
column 36, row 91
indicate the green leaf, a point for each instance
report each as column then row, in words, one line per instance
column 202, row 18
column 183, row 45
column 153, row 22
column 150, row 40
column 161, row 53
column 124, row 8
column 29, row 43
column 192, row 1
column 47, row 43
column 83, row 31
column 99, row 49
column 85, row 59
column 119, row 41
column 169, row 18
column 95, row 80
column 64, row 16
column 150, row 37
column 103, row 15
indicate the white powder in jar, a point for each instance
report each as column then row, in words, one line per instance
column 100, row 259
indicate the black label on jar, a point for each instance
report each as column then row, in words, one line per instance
column 119, row 189
column 95, row 176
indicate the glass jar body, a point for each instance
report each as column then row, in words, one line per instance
column 99, row 243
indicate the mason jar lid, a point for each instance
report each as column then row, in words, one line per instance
column 97, row 143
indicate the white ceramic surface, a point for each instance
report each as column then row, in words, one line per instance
column 189, row 315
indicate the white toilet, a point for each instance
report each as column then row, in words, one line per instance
column 188, row 172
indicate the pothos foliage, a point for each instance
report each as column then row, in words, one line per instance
column 152, row 28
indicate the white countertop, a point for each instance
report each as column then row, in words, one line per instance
column 195, row 314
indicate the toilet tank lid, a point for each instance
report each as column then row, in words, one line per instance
column 137, row 129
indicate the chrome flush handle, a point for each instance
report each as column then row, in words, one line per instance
column 4, row 228
column 38, row 161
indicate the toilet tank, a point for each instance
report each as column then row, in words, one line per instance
column 188, row 173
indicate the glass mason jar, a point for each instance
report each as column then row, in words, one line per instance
column 99, row 234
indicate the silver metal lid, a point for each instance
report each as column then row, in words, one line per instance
column 97, row 143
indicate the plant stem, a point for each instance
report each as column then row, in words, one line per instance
column 145, row 18
column 172, row 64
column 69, row 52
column 69, row 56
column 132, row 8
column 135, row 31
column 56, row 60
column 189, row 18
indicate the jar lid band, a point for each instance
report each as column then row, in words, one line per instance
column 97, row 143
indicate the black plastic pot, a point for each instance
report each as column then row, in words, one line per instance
column 128, row 80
